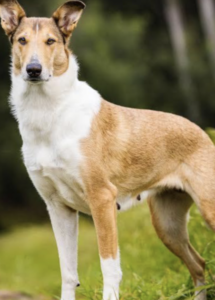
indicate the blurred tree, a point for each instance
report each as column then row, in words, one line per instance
column 123, row 62
column 177, row 34
column 109, row 56
column 207, row 13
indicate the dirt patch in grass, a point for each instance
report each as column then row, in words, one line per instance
column 7, row 295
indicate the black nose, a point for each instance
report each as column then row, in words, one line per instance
column 34, row 70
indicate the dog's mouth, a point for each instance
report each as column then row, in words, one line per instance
column 36, row 80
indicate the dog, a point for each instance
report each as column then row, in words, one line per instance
column 84, row 154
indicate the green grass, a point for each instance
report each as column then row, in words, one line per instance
column 29, row 260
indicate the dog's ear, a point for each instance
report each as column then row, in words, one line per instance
column 11, row 14
column 67, row 16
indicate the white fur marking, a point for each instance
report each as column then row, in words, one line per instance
column 35, row 56
column 127, row 201
column 200, row 295
column 112, row 276
column 171, row 181
column 53, row 118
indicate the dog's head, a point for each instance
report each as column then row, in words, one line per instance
column 39, row 45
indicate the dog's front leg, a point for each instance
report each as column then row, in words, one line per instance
column 103, row 211
column 65, row 226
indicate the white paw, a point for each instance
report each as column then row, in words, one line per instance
column 201, row 295
column 111, row 293
column 68, row 295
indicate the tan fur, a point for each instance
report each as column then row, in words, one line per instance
column 11, row 14
column 67, row 17
column 169, row 211
column 131, row 148
column 46, row 29
column 130, row 151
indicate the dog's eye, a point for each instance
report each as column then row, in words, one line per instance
column 50, row 42
column 22, row 41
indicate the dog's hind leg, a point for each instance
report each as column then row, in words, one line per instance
column 169, row 211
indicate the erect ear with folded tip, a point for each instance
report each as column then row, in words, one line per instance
column 11, row 14
column 67, row 16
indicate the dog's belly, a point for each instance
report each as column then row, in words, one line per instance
column 127, row 201
column 68, row 189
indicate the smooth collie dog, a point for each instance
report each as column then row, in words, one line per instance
column 84, row 154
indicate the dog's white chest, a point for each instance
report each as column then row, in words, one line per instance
column 53, row 120
column 55, row 170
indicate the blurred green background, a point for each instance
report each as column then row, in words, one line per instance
column 153, row 54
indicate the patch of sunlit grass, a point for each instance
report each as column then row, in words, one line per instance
column 29, row 260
